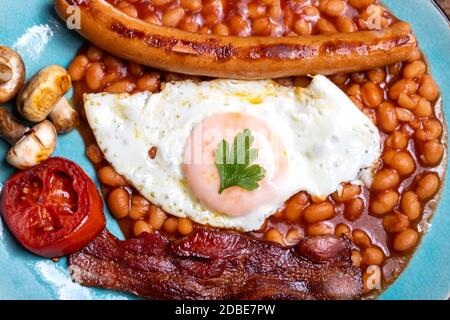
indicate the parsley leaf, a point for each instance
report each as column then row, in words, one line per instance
column 235, row 164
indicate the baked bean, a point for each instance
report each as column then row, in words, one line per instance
column 348, row 192
column 295, row 206
column 311, row 11
column 432, row 152
column 94, row 154
column 371, row 278
column 342, row 229
column 107, row 175
column 387, row 117
column 172, row 17
column 94, row 54
column 170, row 225
column 354, row 90
column 140, row 226
column 428, row 186
column 78, row 67
column 354, row 209
column 407, row 86
column 377, row 76
column 156, row 217
column 319, row 229
column 414, row 69
column 318, row 199
column 121, row 86
column 345, row 25
column 190, row 26
column 384, row 202
column 221, row 29
column 410, row 205
column 395, row 68
column 151, row 18
column 149, row 82
column 139, row 207
column 372, row 256
column 371, row 94
column 423, row 108
column 212, row 13
column 135, row 69
column 94, row 75
column 274, row 235
column 302, row 27
column 275, row 11
column 415, row 55
column 119, row 203
column 359, row 77
column 385, row 179
column 325, row 27
column 404, row 115
column 361, row 4
column 293, row 236
column 406, row 102
column 302, row 82
column 361, row 239
column 111, row 77
column 356, row 258
column 127, row 8
column 339, row 78
column 335, row 8
column 395, row 222
column 185, row 226
column 432, row 129
column 405, row 240
column 401, row 161
column 256, row 10
column 191, row 5
column 428, row 88
column 319, row 212
column 397, row 140
column 261, row 26
column 239, row 26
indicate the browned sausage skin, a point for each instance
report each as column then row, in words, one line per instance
column 179, row 51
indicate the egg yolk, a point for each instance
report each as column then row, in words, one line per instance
column 202, row 174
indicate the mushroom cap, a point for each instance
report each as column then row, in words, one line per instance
column 45, row 89
column 36, row 146
column 12, row 74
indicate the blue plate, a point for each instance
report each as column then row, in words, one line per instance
column 32, row 28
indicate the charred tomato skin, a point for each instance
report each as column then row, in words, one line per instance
column 53, row 209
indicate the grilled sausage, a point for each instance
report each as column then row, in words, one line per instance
column 179, row 51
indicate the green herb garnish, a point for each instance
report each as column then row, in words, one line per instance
column 235, row 165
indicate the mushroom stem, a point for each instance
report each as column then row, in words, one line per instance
column 10, row 130
column 64, row 116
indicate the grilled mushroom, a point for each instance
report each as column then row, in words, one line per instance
column 29, row 146
column 12, row 74
column 44, row 97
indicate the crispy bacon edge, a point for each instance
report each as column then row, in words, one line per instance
column 212, row 264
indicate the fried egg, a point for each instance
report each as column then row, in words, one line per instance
column 307, row 139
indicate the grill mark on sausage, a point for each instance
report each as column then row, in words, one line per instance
column 209, row 47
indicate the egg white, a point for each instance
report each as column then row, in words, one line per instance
column 328, row 140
